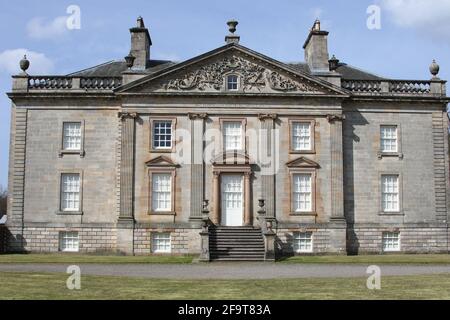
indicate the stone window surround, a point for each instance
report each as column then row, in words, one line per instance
column 173, row 120
column 399, row 153
column 63, row 151
column 225, row 80
column 157, row 170
column 69, row 213
column 312, row 124
column 244, row 131
column 400, row 211
column 313, row 172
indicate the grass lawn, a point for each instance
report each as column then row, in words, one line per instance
column 363, row 259
column 373, row 259
column 53, row 286
column 74, row 259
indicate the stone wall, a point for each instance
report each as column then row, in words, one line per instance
column 413, row 239
column 183, row 241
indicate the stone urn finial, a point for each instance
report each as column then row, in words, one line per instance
column 129, row 59
column 232, row 24
column 334, row 63
column 24, row 64
column 434, row 69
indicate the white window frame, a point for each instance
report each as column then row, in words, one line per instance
column 391, row 139
column 161, row 236
column 391, row 241
column 308, row 246
column 73, row 237
column 223, row 127
column 391, row 193
column 72, row 139
column 234, row 83
column 157, row 148
column 292, row 137
column 154, row 176
column 298, row 193
column 68, row 151
column 62, row 208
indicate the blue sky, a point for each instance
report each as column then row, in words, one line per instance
column 412, row 33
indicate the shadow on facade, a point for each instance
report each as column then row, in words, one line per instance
column 351, row 140
column 10, row 243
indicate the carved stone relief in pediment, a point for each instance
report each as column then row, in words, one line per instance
column 253, row 77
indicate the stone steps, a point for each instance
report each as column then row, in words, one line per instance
column 236, row 244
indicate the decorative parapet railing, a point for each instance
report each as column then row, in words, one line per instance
column 395, row 87
column 72, row 83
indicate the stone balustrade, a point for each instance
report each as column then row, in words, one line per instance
column 41, row 83
column 395, row 87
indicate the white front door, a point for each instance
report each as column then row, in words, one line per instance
column 232, row 200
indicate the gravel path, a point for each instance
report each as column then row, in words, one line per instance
column 229, row 270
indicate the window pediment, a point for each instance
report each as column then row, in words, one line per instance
column 161, row 161
column 302, row 162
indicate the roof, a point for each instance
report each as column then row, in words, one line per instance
column 116, row 68
column 348, row 72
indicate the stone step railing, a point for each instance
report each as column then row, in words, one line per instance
column 395, row 87
column 73, row 83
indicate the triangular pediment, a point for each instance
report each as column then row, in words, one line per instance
column 161, row 161
column 302, row 162
column 207, row 74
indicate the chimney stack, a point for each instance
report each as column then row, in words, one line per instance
column 316, row 49
column 140, row 45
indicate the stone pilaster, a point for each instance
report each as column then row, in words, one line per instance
column 215, row 218
column 247, row 199
column 197, row 164
column 125, row 230
column 17, row 167
column 268, row 166
column 337, row 168
column 439, row 166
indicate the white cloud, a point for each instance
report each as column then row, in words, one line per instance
column 38, row 28
column 39, row 63
column 425, row 16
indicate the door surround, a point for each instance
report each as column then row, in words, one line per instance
column 218, row 170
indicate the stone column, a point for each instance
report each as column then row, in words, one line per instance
column 247, row 200
column 337, row 227
column 197, row 165
column 268, row 167
column 125, row 223
column 337, row 167
column 215, row 218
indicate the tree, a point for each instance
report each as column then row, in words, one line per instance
column 3, row 200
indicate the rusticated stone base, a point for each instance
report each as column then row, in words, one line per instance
column 100, row 240
column 368, row 240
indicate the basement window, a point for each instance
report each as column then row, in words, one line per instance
column 391, row 241
column 161, row 242
column 69, row 241
column 303, row 242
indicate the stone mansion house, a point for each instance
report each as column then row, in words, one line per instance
column 230, row 155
